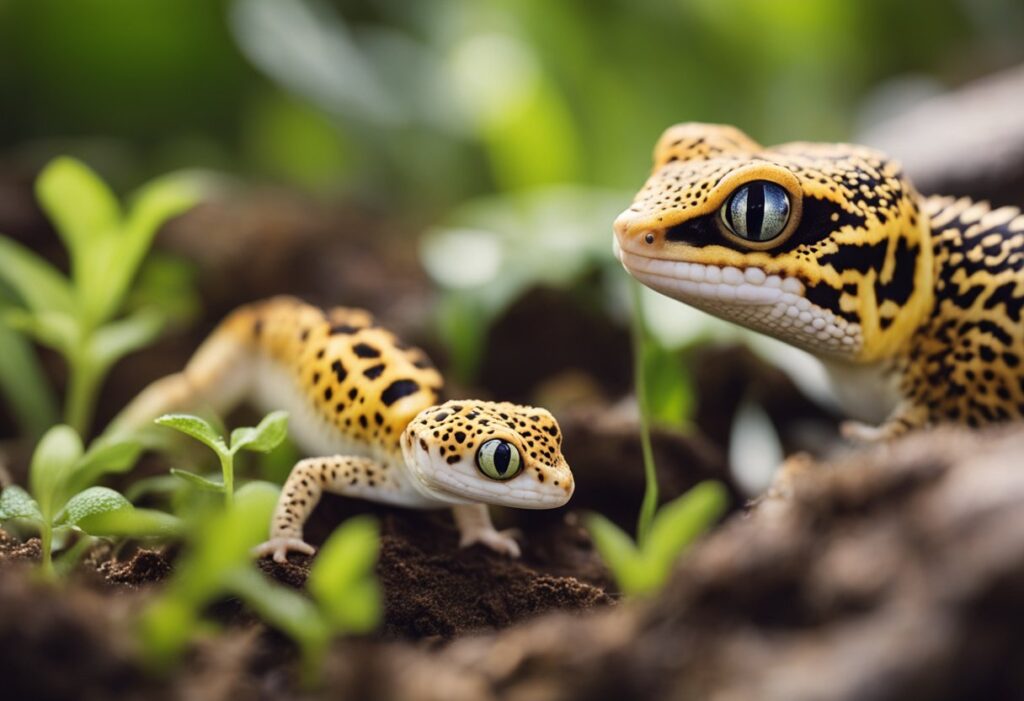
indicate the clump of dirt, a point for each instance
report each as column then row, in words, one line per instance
column 144, row 567
column 434, row 589
column 65, row 644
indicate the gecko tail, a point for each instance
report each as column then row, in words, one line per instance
column 216, row 379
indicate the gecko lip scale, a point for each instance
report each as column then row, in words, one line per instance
column 769, row 303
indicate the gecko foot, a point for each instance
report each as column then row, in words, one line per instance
column 279, row 548
column 865, row 433
column 502, row 542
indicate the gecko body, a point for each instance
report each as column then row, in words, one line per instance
column 366, row 408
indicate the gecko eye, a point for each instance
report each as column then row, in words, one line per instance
column 757, row 211
column 498, row 459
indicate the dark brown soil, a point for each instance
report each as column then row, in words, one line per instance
column 894, row 573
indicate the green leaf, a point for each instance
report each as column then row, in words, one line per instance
column 153, row 204
column 682, row 520
column 132, row 523
column 342, row 579
column 54, row 329
column 24, row 385
column 283, row 608
column 94, row 500
column 79, row 203
column 617, row 550
column 159, row 485
column 36, row 282
column 196, row 427
column 263, row 438
column 54, row 459
column 166, row 627
column 117, row 339
column 104, row 457
column 198, row 480
column 15, row 502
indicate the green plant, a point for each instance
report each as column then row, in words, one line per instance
column 78, row 316
column 346, row 597
column 63, row 501
column 643, row 566
column 270, row 432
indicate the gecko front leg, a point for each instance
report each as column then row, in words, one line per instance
column 474, row 524
column 340, row 474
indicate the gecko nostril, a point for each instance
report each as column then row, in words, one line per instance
column 649, row 237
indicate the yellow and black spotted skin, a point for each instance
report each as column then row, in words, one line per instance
column 915, row 301
column 366, row 407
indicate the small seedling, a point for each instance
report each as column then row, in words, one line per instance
column 642, row 567
column 346, row 597
column 270, row 432
column 78, row 315
column 63, row 501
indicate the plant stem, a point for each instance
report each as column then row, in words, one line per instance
column 46, row 545
column 650, row 503
column 83, row 384
column 227, row 471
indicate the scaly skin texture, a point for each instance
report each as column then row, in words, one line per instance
column 367, row 405
column 913, row 304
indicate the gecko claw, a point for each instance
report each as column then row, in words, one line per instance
column 279, row 548
column 502, row 542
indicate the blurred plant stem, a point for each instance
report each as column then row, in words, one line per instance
column 83, row 386
column 649, row 505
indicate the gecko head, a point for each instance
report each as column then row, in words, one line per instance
column 495, row 453
column 820, row 245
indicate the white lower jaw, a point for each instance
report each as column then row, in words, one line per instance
column 766, row 303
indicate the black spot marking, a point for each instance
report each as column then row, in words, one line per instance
column 375, row 371
column 339, row 371
column 398, row 389
column 365, row 350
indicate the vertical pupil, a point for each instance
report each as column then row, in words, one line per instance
column 755, row 211
column 502, row 457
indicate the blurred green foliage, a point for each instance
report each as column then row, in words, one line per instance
column 509, row 131
column 345, row 597
column 439, row 100
column 81, row 315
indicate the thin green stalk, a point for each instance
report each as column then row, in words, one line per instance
column 227, row 471
column 649, row 505
column 83, row 385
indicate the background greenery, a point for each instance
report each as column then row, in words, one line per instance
column 425, row 104
column 501, row 135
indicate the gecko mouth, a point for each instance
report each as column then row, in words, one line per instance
column 770, row 304
column 750, row 286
